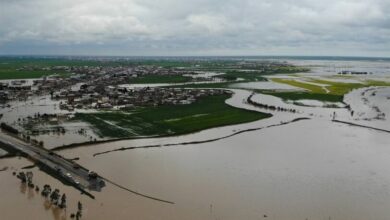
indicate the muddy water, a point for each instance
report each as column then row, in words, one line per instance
column 42, row 105
column 20, row 202
column 316, row 169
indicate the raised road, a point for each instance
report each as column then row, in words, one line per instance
column 67, row 171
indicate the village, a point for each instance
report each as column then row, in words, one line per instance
column 103, row 88
column 91, row 89
column 112, row 98
column 122, row 98
column 97, row 78
column 90, row 79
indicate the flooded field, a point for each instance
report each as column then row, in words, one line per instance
column 372, row 106
column 18, row 110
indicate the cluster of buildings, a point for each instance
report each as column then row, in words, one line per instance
column 267, row 67
column 103, row 76
column 100, row 76
column 347, row 72
column 15, row 89
column 118, row 97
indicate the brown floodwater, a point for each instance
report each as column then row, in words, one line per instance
column 313, row 169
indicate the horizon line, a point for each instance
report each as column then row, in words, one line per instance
column 195, row 56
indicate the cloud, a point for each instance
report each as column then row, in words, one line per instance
column 209, row 23
column 206, row 27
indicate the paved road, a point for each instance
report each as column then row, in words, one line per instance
column 65, row 170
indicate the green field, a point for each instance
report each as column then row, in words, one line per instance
column 310, row 87
column 334, row 91
column 13, row 74
column 206, row 113
column 9, row 68
column 339, row 88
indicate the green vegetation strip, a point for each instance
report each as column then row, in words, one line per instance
column 206, row 113
column 312, row 88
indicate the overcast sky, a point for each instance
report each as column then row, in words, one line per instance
column 195, row 27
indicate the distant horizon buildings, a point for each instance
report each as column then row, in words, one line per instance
column 300, row 57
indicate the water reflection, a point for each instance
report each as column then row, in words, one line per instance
column 30, row 193
column 23, row 188
column 59, row 214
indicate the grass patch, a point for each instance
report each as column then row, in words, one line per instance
column 312, row 88
column 339, row 88
column 206, row 113
column 377, row 83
